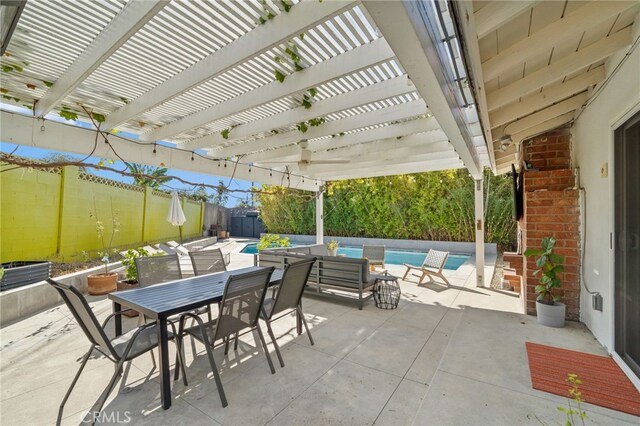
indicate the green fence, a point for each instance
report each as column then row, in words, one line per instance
column 47, row 214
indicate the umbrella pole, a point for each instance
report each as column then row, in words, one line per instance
column 180, row 229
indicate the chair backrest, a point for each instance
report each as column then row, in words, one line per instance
column 85, row 317
column 207, row 261
column 436, row 259
column 158, row 269
column 242, row 301
column 294, row 279
column 375, row 254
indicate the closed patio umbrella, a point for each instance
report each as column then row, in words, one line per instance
column 176, row 216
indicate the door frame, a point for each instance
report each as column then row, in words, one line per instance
column 614, row 125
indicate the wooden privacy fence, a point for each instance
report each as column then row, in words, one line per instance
column 48, row 214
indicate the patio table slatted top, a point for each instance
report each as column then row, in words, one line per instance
column 182, row 295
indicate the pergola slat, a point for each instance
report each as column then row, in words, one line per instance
column 303, row 16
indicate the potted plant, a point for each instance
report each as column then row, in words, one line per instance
column 104, row 282
column 332, row 247
column 550, row 311
column 131, row 273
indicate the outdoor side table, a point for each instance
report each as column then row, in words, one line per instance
column 386, row 292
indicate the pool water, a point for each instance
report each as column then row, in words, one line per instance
column 392, row 257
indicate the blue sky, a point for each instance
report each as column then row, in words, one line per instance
column 38, row 153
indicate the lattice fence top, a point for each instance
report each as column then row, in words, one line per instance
column 160, row 194
column 104, row 181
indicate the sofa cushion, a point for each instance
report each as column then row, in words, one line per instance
column 340, row 271
column 318, row 250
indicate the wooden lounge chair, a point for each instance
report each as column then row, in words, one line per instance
column 432, row 266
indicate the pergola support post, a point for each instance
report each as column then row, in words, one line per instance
column 320, row 217
column 479, row 209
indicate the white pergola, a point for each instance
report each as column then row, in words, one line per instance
column 382, row 87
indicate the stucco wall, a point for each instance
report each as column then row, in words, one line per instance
column 592, row 147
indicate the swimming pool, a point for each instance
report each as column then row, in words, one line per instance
column 392, row 257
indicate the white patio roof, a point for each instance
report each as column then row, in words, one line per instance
column 535, row 64
column 202, row 75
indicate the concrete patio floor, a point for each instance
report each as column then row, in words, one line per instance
column 447, row 355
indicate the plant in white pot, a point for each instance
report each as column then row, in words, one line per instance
column 332, row 247
column 550, row 311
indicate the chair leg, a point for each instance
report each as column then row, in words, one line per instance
column 97, row 407
column 424, row 274
column 214, row 368
column 266, row 350
column 406, row 273
column 235, row 344
column 306, row 327
column 73, row 383
column 275, row 344
column 445, row 280
column 153, row 359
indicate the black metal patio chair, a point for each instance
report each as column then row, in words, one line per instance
column 119, row 350
column 239, row 310
column 288, row 298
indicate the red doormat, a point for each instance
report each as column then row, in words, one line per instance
column 603, row 382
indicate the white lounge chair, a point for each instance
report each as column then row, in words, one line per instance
column 432, row 266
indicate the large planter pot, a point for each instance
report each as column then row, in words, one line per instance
column 333, row 252
column 551, row 315
column 98, row 284
column 126, row 285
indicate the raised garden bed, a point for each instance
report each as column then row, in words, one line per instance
column 17, row 274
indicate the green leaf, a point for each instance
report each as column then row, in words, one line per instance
column 47, row 83
column 306, row 104
column 16, row 99
column 28, row 106
column 7, row 68
column 540, row 289
column 541, row 261
column 298, row 67
column 270, row 15
column 18, row 68
column 278, row 59
column 556, row 258
column 225, row 133
column 279, row 76
column 274, row 132
column 301, row 36
column 261, row 21
column 67, row 114
column 124, row 100
column 286, row 6
column 532, row 252
column 98, row 117
column 302, row 127
column 313, row 92
column 3, row 90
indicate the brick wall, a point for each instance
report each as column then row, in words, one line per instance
column 551, row 208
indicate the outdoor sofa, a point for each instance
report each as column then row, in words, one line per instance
column 336, row 277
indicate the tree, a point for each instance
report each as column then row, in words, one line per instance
column 220, row 196
column 148, row 175
column 200, row 194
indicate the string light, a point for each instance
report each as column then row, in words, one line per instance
column 154, row 148
column 192, row 156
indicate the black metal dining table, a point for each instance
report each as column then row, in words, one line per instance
column 160, row 301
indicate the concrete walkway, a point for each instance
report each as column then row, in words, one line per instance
column 448, row 355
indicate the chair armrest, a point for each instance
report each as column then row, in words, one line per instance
column 104, row 323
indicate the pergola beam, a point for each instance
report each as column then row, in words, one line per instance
column 303, row 16
column 133, row 16
column 544, row 39
column 559, row 69
column 408, row 156
column 548, row 96
column 403, row 169
column 496, row 14
column 383, row 152
column 349, row 62
column 366, row 95
column 466, row 19
column 383, row 115
column 364, row 136
column 23, row 130
column 411, row 29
